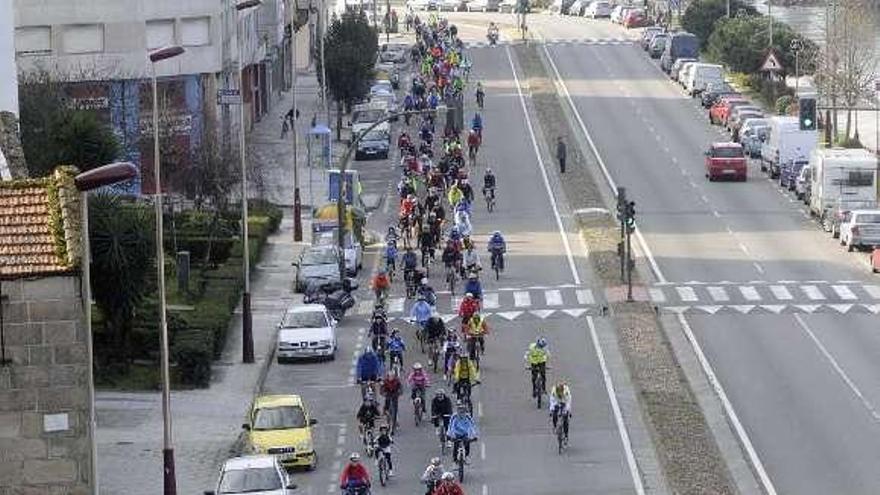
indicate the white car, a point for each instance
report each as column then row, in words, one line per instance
column 578, row 7
column 861, row 230
column 507, row 6
column 448, row 5
column 482, row 5
column 354, row 252
column 306, row 331
column 598, row 9
column 254, row 475
column 618, row 14
column 422, row 4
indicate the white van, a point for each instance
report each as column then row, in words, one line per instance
column 842, row 176
column 702, row 74
column 786, row 142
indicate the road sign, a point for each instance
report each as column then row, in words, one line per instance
column 771, row 63
column 228, row 97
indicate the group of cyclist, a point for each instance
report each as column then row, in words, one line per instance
column 422, row 221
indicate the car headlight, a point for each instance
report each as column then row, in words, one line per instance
column 255, row 449
column 304, row 446
column 326, row 342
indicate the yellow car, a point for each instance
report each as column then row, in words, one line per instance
column 280, row 425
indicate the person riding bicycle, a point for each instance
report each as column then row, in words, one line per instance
column 469, row 305
column 451, row 255
column 432, row 475
column 489, row 182
column 435, row 329
column 497, row 246
column 383, row 447
column 369, row 367
column 473, row 142
column 467, row 190
column 368, row 413
column 381, row 284
column 391, row 236
column 420, row 312
column 560, row 400
column 426, row 292
column 480, row 94
column 426, row 240
column 418, row 381
column 454, row 194
column 462, row 429
column 378, row 330
column 476, row 328
column 403, row 142
column 441, row 409
column 410, row 262
column 408, row 205
column 396, row 347
column 391, row 256
column 477, row 124
column 471, row 259
column 536, row 358
column 448, row 486
column 391, row 389
column 473, row 285
column 465, row 375
column 493, row 29
column 354, row 479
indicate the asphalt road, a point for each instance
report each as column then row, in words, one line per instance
column 785, row 318
column 543, row 292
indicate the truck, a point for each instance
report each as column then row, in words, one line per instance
column 841, row 179
column 785, row 142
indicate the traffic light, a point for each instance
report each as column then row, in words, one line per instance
column 630, row 216
column 807, row 113
column 621, row 202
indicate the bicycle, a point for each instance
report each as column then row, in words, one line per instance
column 460, row 459
column 539, row 381
column 409, row 276
column 382, row 467
column 480, row 97
column 434, row 353
column 497, row 262
column 391, row 415
column 369, row 440
column 489, row 196
column 561, row 437
column 472, row 347
column 395, row 362
column 450, row 278
column 419, row 406
column 440, row 430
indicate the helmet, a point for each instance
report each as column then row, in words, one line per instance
column 447, row 476
column 461, row 406
column 497, row 233
column 441, row 392
column 383, row 427
column 472, row 275
column 424, row 281
column 435, row 461
column 469, row 296
column 488, row 171
column 417, row 366
column 354, row 457
column 541, row 343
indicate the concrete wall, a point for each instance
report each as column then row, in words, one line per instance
column 44, row 427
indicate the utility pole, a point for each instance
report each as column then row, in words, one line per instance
column 770, row 19
column 621, row 216
column 297, row 201
column 630, row 208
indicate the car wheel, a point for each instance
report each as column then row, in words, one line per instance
column 849, row 246
column 314, row 464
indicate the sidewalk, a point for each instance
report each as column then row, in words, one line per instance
column 207, row 422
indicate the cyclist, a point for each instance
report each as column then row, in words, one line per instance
column 392, row 236
column 450, row 353
column 454, row 194
column 391, row 256
column 473, row 143
column 410, row 261
column 476, row 329
column 473, row 286
column 468, row 191
column 408, row 205
column 418, row 381
column 432, row 475
column 420, row 313
column 469, row 305
column 465, row 375
column 355, row 479
column 426, row 240
column 426, row 292
column 560, row 400
column 391, row 389
column 471, row 259
column 477, row 124
column 489, row 182
column 383, row 447
column 378, row 331
column 448, row 486
column 441, row 409
column 480, row 94
column 403, row 142
column 367, row 414
column 434, row 330
column 396, row 347
column 369, row 368
column 462, row 428
column 536, row 357
column 497, row 246
column 451, row 255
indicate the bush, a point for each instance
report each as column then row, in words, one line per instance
column 699, row 18
column 191, row 352
column 221, row 248
column 784, row 104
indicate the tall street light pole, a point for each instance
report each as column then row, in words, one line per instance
column 170, row 482
column 297, row 199
column 247, row 332
column 324, row 26
column 85, row 182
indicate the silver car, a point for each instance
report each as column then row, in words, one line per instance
column 254, row 475
column 306, row 332
column 861, row 230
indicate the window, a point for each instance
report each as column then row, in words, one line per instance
column 855, row 178
column 195, row 31
column 250, row 480
column 31, row 40
column 311, row 319
column 279, row 418
column 160, row 33
column 83, row 38
column 727, row 152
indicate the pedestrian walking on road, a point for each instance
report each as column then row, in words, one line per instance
column 561, row 153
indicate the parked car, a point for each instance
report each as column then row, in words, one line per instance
column 578, row 7
column 307, row 331
column 681, row 45
column 676, row 67
column 375, row 144
column 720, row 110
column 700, row 76
column 560, row 6
column 598, row 9
column 647, row 34
column 684, row 72
column 790, row 172
column 802, row 184
column 715, row 90
column 752, row 138
column 861, row 230
column 786, row 142
column 726, row 161
column 279, row 425
column 354, row 252
column 395, row 54
column 254, row 475
column 739, row 115
column 507, row 6
column 635, row 18
column 618, row 12
column 317, row 263
column 483, row 5
column 448, row 5
column 657, row 44
column 422, row 4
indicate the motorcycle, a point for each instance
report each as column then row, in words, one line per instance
column 492, row 36
column 335, row 296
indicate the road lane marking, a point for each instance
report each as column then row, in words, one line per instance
column 812, row 292
column 687, row 294
column 522, row 299
column 781, row 292
column 757, row 465
column 758, row 267
column 872, row 290
column 585, row 296
column 543, row 169
column 718, row 293
column 749, row 293
column 455, row 302
column 395, row 305
column 657, row 295
column 485, row 489
column 483, row 451
column 490, row 300
column 553, row 297
column 844, row 292
column 639, row 237
column 834, row 364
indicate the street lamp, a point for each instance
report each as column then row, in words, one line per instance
column 247, row 333
column 170, row 482
column 85, row 182
column 297, row 200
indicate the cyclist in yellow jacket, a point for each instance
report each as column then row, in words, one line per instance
column 536, row 358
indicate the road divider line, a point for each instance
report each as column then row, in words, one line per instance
column 875, row 415
column 615, row 408
column 543, row 169
column 744, row 439
column 483, row 451
column 639, row 237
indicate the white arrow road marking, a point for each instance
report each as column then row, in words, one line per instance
column 844, row 292
column 807, row 308
column 585, row 296
column 509, row 315
column 709, row 309
column 872, row 290
column 575, row 312
column 553, row 297
column 812, row 292
column 775, row 308
column 743, row 308
column 542, row 313
column 686, row 294
column 781, row 292
column 657, row 295
column 448, row 318
column 749, row 293
column 841, row 308
column 676, row 309
column 490, row 300
column 522, row 299
column 874, row 308
column 718, row 294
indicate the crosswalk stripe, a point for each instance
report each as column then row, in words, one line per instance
column 781, row 292
column 872, row 290
column 395, row 305
column 585, row 296
column 812, row 292
column 456, row 302
column 749, row 293
column 686, row 293
column 843, row 292
column 365, row 306
column 718, row 293
column 553, row 297
column 657, row 295
column 490, row 300
column 522, row 299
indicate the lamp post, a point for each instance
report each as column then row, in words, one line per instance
column 796, row 46
column 85, row 182
column 297, row 200
column 247, row 333
column 170, row 482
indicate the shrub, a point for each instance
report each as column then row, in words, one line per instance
column 191, row 351
column 699, row 18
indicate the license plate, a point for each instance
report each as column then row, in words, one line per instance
column 287, row 457
column 729, row 171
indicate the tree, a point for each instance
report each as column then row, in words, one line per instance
column 350, row 54
column 699, row 18
column 741, row 42
column 123, row 250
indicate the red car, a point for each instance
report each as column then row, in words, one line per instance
column 636, row 19
column 720, row 111
column 726, row 161
column 875, row 259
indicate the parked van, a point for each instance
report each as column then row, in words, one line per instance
column 681, row 44
column 786, row 142
column 841, row 176
column 702, row 74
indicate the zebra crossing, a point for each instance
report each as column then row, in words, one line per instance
column 558, row 41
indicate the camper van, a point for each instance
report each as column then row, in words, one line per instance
column 785, row 142
column 842, row 177
column 701, row 75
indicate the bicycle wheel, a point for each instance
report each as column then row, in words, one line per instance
column 383, row 470
column 460, row 462
column 442, row 437
column 417, row 411
column 497, row 268
column 560, row 436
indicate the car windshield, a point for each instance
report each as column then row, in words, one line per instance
column 367, row 116
column 727, row 152
column 279, row 418
column 318, row 257
column 375, row 135
column 310, row 319
column 868, row 218
column 250, row 480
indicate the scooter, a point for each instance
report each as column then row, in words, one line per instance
column 335, row 296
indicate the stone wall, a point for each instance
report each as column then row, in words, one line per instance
column 10, row 143
column 44, row 406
